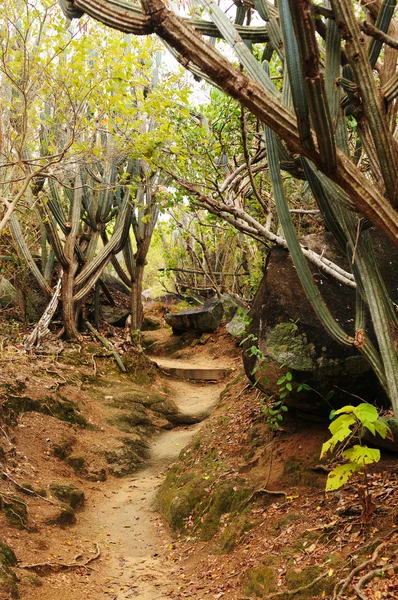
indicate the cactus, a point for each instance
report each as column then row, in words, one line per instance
column 316, row 128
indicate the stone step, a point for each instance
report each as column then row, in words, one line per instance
column 195, row 373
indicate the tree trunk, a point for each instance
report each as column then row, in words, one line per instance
column 137, row 311
column 68, row 304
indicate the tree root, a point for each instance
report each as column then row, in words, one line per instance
column 27, row 491
column 292, row 592
column 344, row 583
column 261, row 491
column 56, row 566
column 368, row 576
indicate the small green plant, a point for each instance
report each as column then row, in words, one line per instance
column 351, row 422
column 273, row 411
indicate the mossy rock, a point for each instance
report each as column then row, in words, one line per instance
column 232, row 534
column 227, row 497
column 179, row 494
column 95, row 474
column 8, row 579
column 16, row 512
column 260, row 581
column 65, row 516
column 61, row 408
column 77, row 463
column 129, row 457
column 297, row 578
column 149, row 324
column 68, row 493
column 64, row 448
column 289, row 347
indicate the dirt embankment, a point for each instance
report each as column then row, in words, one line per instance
column 83, row 450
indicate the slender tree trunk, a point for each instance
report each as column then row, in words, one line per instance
column 137, row 311
column 68, row 305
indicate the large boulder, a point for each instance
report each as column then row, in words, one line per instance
column 287, row 331
column 114, row 315
column 203, row 320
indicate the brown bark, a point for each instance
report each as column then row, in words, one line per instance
column 68, row 304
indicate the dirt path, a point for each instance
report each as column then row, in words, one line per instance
column 118, row 516
column 134, row 540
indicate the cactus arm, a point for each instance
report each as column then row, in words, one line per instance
column 299, row 261
column 233, row 38
column 296, row 78
column 386, row 146
column 383, row 21
column 52, row 233
column 20, row 240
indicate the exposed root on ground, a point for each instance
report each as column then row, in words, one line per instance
column 56, row 566
column 342, row 585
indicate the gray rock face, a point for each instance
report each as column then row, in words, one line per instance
column 237, row 326
column 289, row 333
column 230, row 306
column 114, row 315
column 203, row 320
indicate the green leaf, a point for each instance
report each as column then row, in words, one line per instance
column 383, row 430
column 289, row 376
column 344, row 421
column 345, row 409
column 289, row 387
column 362, row 455
column 366, row 412
column 281, row 380
column 340, row 475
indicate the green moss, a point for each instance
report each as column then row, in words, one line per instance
column 179, row 495
column 296, row 473
column 289, row 347
column 227, row 497
column 68, row 493
column 296, row 578
column 234, row 531
column 64, row 448
column 65, row 516
column 59, row 407
column 287, row 520
column 8, row 579
column 129, row 457
column 7, row 556
column 15, row 511
column 260, row 580
column 77, row 463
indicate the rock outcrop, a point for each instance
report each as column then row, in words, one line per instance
column 203, row 320
column 287, row 331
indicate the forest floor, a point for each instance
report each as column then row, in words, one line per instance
column 282, row 538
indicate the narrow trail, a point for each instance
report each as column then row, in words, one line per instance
column 133, row 541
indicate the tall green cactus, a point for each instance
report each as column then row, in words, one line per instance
column 323, row 47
